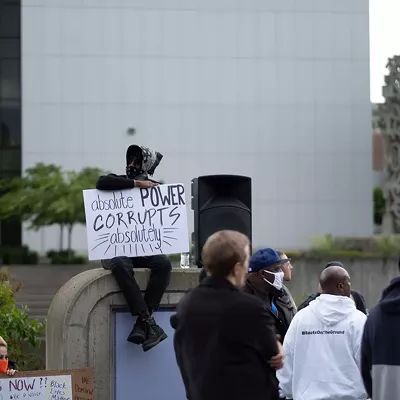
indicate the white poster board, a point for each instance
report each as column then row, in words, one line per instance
column 136, row 222
column 57, row 387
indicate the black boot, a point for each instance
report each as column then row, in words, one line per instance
column 155, row 335
column 139, row 331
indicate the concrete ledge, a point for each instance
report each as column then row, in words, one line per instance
column 80, row 323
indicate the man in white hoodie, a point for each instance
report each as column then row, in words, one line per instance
column 322, row 345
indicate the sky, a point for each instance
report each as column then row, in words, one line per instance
column 384, row 41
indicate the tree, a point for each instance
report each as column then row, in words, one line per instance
column 16, row 328
column 379, row 206
column 48, row 196
column 68, row 208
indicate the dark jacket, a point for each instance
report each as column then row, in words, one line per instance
column 223, row 341
column 361, row 305
column 380, row 348
column 283, row 302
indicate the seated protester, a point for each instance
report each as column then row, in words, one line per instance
column 12, row 366
column 323, row 345
column 287, row 277
column 358, row 299
column 265, row 281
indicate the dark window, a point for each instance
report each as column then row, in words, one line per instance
column 10, row 107
column 10, row 47
column 10, row 81
column 10, row 126
column 10, row 19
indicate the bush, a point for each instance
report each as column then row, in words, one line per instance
column 348, row 247
column 10, row 255
column 174, row 258
column 65, row 257
column 20, row 333
column 379, row 206
column 294, row 254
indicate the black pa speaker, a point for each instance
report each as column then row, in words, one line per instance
column 219, row 202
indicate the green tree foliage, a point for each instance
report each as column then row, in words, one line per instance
column 20, row 333
column 379, row 206
column 46, row 195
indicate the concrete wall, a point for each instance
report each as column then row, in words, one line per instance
column 40, row 283
column 277, row 90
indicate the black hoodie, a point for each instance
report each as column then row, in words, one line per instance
column 149, row 162
column 380, row 348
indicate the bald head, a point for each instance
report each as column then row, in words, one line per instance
column 335, row 280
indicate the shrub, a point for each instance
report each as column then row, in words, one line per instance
column 20, row 333
column 294, row 254
column 64, row 257
column 379, row 206
column 349, row 247
column 174, row 258
column 11, row 255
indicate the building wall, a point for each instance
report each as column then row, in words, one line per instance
column 275, row 90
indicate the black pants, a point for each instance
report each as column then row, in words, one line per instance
column 122, row 269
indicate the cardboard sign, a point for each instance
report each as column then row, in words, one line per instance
column 136, row 222
column 75, row 384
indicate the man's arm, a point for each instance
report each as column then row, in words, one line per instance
column 285, row 375
column 366, row 359
column 265, row 327
column 114, row 182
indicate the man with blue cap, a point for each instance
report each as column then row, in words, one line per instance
column 265, row 280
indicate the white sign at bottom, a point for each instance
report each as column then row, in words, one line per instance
column 57, row 387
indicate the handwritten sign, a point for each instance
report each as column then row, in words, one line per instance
column 49, row 385
column 136, row 222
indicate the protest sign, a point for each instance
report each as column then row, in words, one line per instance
column 48, row 385
column 136, row 222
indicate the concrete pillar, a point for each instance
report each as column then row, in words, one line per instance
column 80, row 323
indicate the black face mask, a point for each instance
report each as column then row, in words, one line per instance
column 133, row 172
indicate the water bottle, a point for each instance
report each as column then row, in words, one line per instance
column 185, row 260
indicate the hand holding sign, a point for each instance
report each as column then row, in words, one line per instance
column 145, row 184
column 136, row 222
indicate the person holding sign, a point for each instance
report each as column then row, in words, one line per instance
column 141, row 163
column 6, row 366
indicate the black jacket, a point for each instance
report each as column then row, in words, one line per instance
column 286, row 309
column 380, row 348
column 114, row 182
column 361, row 305
column 223, row 341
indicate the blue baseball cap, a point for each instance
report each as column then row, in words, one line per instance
column 264, row 258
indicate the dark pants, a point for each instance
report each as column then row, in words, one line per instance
column 160, row 273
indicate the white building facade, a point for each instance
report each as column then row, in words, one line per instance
column 276, row 90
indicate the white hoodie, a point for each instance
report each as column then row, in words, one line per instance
column 322, row 352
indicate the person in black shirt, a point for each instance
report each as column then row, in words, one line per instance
column 358, row 298
column 265, row 281
column 141, row 163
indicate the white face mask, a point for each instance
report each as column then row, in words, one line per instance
column 278, row 279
